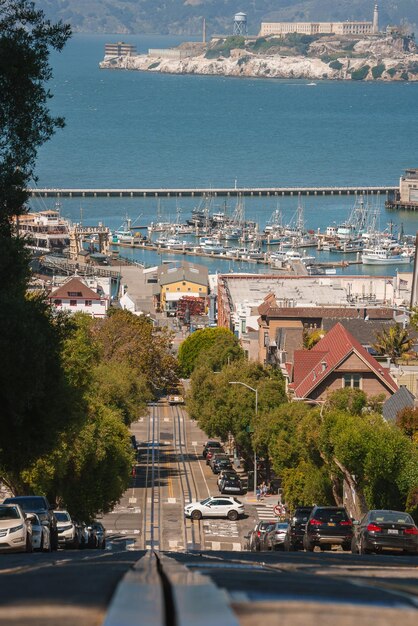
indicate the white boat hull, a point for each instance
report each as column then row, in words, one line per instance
column 391, row 260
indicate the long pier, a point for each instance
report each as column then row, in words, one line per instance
column 387, row 190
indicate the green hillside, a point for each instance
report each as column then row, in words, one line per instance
column 185, row 16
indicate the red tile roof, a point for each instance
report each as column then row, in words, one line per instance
column 72, row 287
column 311, row 367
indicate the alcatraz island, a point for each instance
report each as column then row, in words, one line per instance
column 306, row 50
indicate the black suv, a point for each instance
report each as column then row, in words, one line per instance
column 294, row 536
column 328, row 526
column 42, row 508
column 212, row 443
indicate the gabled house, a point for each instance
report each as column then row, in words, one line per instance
column 338, row 360
column 75, row 296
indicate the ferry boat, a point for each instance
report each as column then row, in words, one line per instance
column 45, row 231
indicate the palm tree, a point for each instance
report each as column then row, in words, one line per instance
column 394, row 342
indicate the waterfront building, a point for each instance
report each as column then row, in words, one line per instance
column 337, row 361
column 120, row 49
column 175, row 281
column 408, row 186
column 75, row 296
column 240, row 295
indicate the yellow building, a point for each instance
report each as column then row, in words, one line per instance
column 179, row 280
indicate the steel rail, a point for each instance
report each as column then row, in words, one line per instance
column 187, row 478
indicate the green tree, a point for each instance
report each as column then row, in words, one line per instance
column 221, row 408
column 394, row 342
column 132, row 339
column 407, row 422
column 34, row 395
column 25, row 121
column 224, row 343
column 311, row 337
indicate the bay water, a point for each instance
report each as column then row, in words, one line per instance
column 137, row 129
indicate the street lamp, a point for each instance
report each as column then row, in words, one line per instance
column 237, row 382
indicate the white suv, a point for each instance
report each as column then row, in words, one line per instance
column 215, row 506
column 67, row 532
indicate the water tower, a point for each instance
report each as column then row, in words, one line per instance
column 240, row 24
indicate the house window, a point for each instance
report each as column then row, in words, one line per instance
column 189, row 289
column 88, row 302
column 167, row 288
column 74, row 293
column 352, row 380
column 178, row 288
column 200, row 288
column 58, row 302
column 184, row 283
column 73, row 302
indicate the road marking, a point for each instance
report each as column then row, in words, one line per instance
column 216, row 545
column 201, row 469
column 173, row 543
column 194, row 444
column 166, row 419
column 221, row 529
column 171, row 500
column 236, row 547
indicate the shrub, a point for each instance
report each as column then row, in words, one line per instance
column 336, row 65
column 154, row 65
column 392, row 71
column 378, row 70
column 361, row 73
column 405, row 76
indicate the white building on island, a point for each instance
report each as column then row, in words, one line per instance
column 322, row 28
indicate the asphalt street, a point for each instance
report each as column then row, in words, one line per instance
column 74, row 588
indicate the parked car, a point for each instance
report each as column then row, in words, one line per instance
column 379, row 530
column 42, row 508
column 256, row 537
column 328, row 526
column 211, row 452
column 219, row 464
column 216, row 457
column 274, row 539
column 296, row 529
column 41, row 535
column 225, row 474
column 15, row 529
column 100, row 534
column 68, row 536
column 212, row 443
column 231, row 484
column 215, row 506
column 83, row 533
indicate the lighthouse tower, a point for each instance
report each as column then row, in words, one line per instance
column 375, row 20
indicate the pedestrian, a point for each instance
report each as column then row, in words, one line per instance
column 258, row 493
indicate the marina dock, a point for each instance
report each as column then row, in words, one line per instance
column 386, row 190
